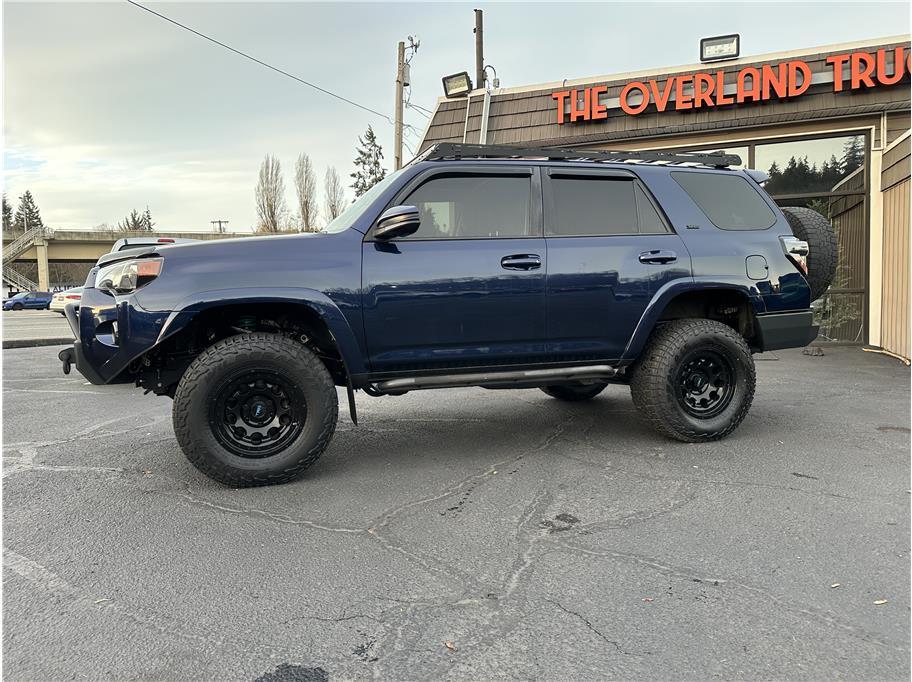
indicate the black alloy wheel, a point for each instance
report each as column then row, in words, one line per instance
column 258, row 413
column 705, row 382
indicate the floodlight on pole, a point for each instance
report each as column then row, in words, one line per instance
column 717, row 48
column 457, row 85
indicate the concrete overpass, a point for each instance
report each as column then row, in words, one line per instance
column 43, row 246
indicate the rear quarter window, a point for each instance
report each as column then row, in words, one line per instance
column 729, row 201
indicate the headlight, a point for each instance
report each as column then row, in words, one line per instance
column 129, row 275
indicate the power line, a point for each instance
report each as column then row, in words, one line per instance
column 260, row 62
column 417, row 109
column 418, row 106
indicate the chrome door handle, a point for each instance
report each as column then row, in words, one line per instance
column 527, row 261
column 657, row 256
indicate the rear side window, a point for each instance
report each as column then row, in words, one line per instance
column 650, row 222
column 473, row 207
column 590, row 206
column 729, row 201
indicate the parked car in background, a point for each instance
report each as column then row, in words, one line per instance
column 61, row 298
column 28, row 299
column 139, row 242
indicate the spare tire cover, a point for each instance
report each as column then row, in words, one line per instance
column 823, row 250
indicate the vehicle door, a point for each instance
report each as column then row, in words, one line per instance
column 467, row 288
column 610, row 249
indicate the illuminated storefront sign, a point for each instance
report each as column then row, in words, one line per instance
column 791, row 78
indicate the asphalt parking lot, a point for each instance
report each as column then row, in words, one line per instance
column 31, row 327
column 466, row 534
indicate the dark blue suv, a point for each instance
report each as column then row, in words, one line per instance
column 499, row 267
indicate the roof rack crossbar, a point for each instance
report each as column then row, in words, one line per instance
column 456, row 151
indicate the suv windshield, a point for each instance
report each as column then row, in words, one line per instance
column 348, row 217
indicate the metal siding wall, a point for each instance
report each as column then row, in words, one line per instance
column 895, row 320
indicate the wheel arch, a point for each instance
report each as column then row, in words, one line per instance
column 729, row 302
column 315, row 310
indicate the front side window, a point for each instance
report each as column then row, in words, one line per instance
column 473, row 207
column 729, row 201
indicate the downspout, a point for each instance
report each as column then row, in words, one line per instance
column 465, row 129
column 485, row 110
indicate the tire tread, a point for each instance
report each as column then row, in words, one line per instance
column 650, row 383
column 235, row 347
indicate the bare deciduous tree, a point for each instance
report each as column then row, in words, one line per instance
column 334, row 199
column 306, row 188
column 270, row 196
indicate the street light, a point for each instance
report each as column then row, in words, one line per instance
column 718, row 48
column 457, row 85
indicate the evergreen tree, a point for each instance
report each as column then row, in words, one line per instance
column 27, row 215
column 853, row 154
column 132, row 223
column 148, row 224
column 368, row 171
column 7, row 215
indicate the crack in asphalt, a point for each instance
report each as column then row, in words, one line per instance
column 589, row 625
column 49, row 582
column 684, row 573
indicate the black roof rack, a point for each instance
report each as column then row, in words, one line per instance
column 456, row 151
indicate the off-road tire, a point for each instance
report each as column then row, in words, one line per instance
column 656, row 388
column 823, row 249
column 232, row 357
column 574, row 393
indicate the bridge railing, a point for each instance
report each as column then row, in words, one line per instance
column 22, row 243
column 19, row 281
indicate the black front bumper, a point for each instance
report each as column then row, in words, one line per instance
column 110, row 333
column 74, row 356
column 786, row 330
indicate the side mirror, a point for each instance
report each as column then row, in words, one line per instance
column 398, row 221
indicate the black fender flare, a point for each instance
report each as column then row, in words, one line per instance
column 325, row 308
column 672, row 289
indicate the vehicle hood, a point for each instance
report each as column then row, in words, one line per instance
column 308, row 261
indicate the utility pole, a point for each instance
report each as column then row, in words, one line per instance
column 479, row 49
column 397, row 144
column 217, row 224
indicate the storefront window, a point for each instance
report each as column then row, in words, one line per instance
column 828, row 176
column 807, row 166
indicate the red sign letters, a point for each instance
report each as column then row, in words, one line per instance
column 751, row 84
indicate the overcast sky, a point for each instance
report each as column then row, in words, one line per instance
column 108, row 108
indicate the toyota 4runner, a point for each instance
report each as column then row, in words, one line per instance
column 499, row 267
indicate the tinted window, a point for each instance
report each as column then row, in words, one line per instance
column 473, row 207
column 589, row 206
column 729, row 201
column 650, row 221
